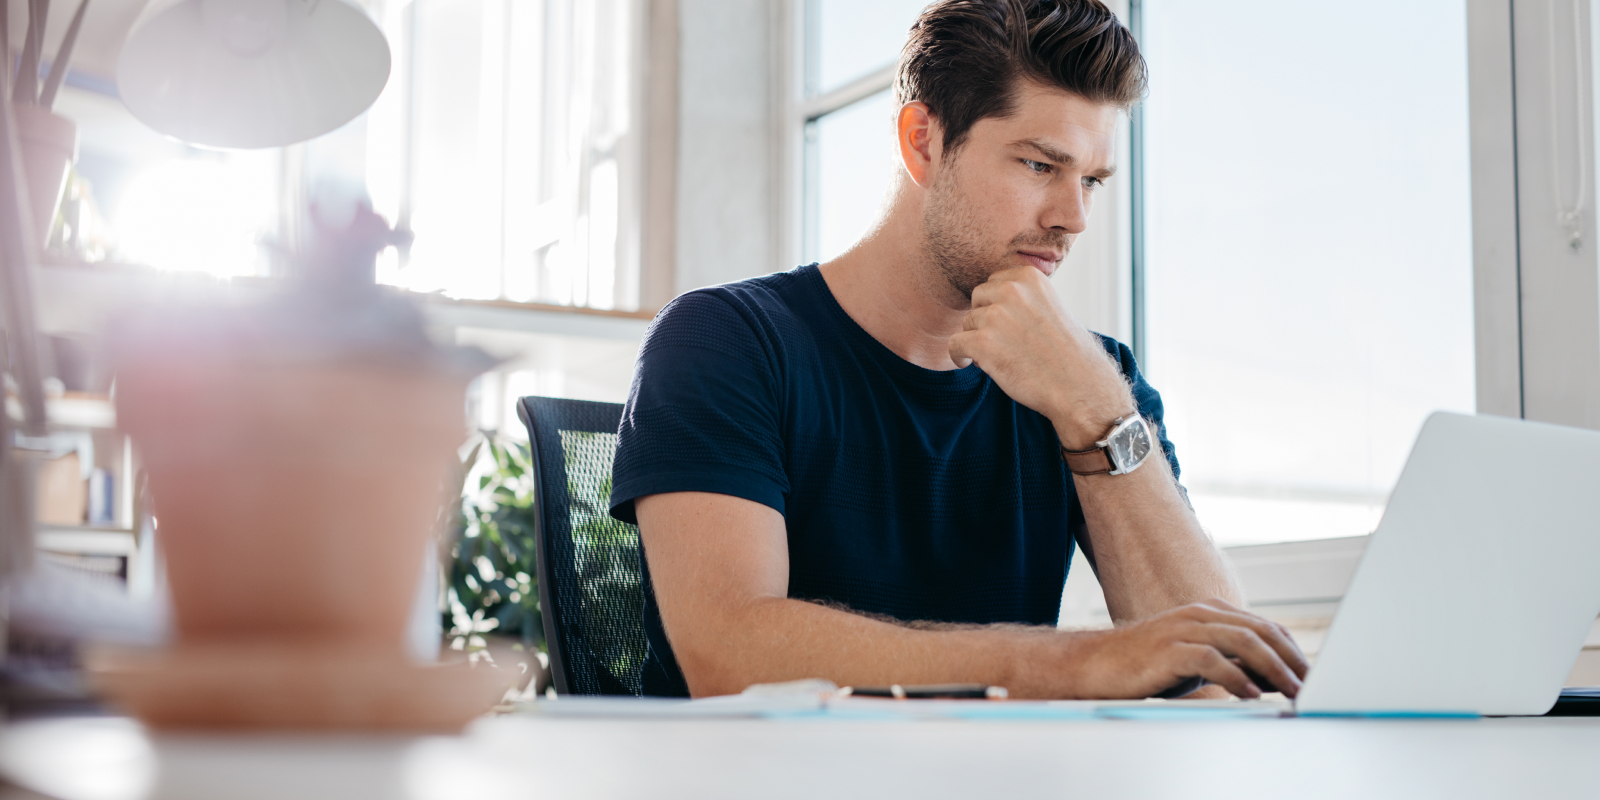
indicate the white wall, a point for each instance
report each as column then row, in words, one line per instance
column 725, row 141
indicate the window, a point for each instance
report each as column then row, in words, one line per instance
column 1308, row 251
column 851, row 47
column 508, row 141
column 206, row 211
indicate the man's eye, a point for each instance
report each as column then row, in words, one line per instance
column 1091, row 183
column 1037, row 166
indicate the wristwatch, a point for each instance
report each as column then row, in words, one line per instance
column 1123, row 449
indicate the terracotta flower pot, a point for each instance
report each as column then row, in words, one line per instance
column 293, row 497
column 300, row 445
column 49, row 146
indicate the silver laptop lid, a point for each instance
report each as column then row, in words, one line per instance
column 1478, row 587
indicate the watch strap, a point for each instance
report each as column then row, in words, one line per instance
column 1094, row 461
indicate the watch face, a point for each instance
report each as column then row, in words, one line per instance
column 1129, row 445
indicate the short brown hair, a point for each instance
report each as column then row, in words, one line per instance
column 964, row 57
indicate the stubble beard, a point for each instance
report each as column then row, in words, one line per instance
column 954, row 243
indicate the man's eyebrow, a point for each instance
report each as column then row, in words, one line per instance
column 1059, row 156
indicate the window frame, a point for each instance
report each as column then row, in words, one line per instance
column 647, row 219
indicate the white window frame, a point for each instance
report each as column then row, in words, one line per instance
column 1537, row 297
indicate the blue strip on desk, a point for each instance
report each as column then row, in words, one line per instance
column 1391, row 714
column 1166, row 713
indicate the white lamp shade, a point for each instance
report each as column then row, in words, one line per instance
column 252, row 73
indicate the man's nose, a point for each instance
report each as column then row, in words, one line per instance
column 1068, row 210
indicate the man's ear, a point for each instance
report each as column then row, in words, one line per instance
column 918, row 136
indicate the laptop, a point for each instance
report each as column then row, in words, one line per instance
column 1481, row 582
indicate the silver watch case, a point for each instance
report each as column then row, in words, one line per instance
column 1128, row 444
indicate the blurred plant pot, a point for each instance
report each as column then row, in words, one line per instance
column 293, row 497
column 49, row 146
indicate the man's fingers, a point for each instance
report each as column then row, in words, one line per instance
column 990, row 291
column 1248, row 646
column 1284, row 644
column 1198, row 659
column 1276, row 636
column 983, row 294
column 973, row 320
column 961, row 346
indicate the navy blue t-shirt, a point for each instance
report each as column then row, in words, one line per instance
column 910, row 492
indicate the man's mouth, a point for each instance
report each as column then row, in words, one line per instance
column 1043, row 260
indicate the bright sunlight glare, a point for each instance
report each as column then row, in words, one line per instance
column 202, row 214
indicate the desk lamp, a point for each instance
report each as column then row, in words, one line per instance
column 252, row 73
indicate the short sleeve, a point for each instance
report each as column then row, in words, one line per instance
column 1145, row 396
column 703, row 412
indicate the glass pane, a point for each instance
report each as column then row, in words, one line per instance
column 208, row 212
column 850, row 161
column 851, row 38
column 1309, row 251
column 455, row 186
column 521, row 175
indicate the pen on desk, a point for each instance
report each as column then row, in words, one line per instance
column 939, row 691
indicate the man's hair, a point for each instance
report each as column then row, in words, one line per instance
column 964, row 58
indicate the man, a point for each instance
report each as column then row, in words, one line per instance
column 860, row 471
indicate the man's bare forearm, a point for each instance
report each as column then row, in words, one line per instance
column 779, row 639
column 1149, row 550
column 720, row 569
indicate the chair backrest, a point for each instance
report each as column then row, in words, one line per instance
column 590, row 590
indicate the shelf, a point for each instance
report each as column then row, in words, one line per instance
column 87, row 540
column 72, row 413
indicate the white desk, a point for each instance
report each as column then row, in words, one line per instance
column 112, row 759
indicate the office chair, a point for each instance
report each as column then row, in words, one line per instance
column 590, row 591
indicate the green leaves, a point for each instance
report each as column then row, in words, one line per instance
column 492, row 569
column 491, row 584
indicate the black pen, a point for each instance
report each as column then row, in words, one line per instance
column 932, row 691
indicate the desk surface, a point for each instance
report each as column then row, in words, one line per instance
column 517, row 757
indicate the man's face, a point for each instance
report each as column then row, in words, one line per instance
column 1017, row 191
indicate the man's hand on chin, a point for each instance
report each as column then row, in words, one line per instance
column 1019, row 334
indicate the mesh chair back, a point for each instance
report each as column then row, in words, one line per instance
column 590, row 590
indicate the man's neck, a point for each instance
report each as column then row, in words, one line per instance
column 886, row 284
